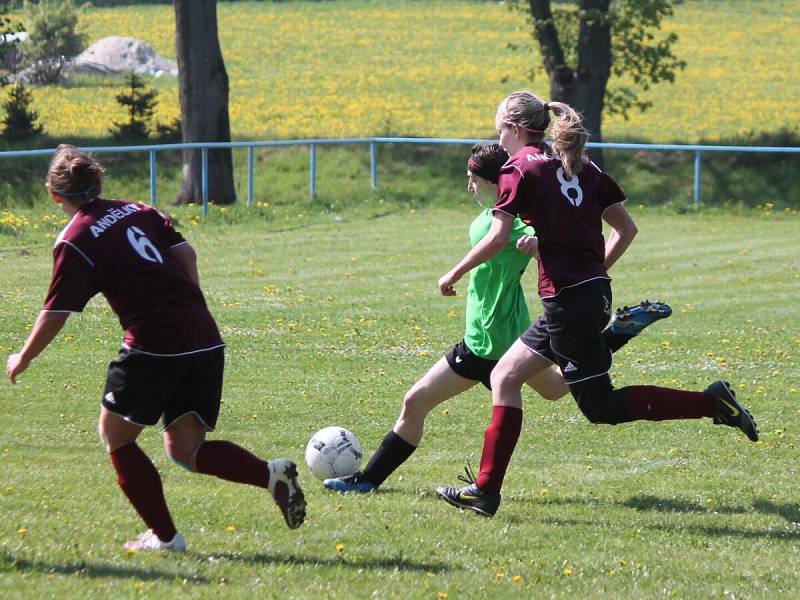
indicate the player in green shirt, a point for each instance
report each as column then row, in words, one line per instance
column 496, row 315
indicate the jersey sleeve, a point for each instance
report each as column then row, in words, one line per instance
column 509, row 188
column 73, row 282
column 608, row 192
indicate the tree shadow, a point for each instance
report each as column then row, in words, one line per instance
column 391, row 563
column 92, row 569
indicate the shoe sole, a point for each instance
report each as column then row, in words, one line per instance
column 657, row 310
column 747, row 425
column 289, row 496
column 474, row 509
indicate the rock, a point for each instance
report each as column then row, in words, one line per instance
column 122, row 55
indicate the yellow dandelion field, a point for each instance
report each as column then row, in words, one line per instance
column 355, row 69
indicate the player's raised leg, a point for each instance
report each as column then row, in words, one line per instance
column 185, row 443
column 436, row 386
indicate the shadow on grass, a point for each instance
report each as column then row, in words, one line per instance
column 706, row 530
column 8, row 563
column 656, row 504
column 790, row 512
column 393, row 563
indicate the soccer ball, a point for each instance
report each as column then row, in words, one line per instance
column 333, row 452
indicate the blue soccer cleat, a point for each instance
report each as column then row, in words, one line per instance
column 354, row 484
column 632, row 320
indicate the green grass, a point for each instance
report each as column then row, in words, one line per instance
column 329, row 322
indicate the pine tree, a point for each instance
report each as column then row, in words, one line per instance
column 140, row 103
column 53, row 38
column 20, row 121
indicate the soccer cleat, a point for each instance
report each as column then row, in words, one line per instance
column 286, row 491
column 728, row 411
column 354, row 483
column 470, row 496
column 632, row 320
column 150, row 541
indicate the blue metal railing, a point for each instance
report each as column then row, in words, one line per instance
column 373, row 142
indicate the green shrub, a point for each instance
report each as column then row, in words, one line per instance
column 140, row 103
column 52, row 38
column 20, row 122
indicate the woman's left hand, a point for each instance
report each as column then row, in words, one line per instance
column 529, row 244
column 446, row 283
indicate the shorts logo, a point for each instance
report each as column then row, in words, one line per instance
column 459, row 359
column 570, row 368
column 110, row 398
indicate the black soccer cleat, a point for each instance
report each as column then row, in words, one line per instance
column 728, row 411
column 470, row 496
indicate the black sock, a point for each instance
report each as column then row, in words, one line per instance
column 615, row 341
column 393, row 452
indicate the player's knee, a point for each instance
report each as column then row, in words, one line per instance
column 182, row 453
column 504, row 379
column 598, row 403
column 601, row 414
column 416, row 403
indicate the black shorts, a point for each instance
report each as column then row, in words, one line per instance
column 470, row 366
column 142, row 388
column 571, row 332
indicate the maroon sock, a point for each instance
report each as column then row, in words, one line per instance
column 651, row 403
column 228, row 461
column 499, row 442
column 141, row 483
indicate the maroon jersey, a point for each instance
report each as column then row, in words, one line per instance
column 566, row 214
column 122, row 250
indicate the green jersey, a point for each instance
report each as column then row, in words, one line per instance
column 496, row 311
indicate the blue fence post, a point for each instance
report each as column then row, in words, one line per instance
column 373, row 164
column 698, row 169
column 250, row 174
column 313, row 169
column 204, row 180
column 153, row 177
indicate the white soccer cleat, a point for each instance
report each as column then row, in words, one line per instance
column 150, row 541
column 286, row 491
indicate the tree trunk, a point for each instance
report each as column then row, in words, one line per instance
column 203, row 91
column 583, row 88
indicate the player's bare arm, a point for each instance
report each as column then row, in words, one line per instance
column 45, row 329
column 489, row 246
column 623, row 230
column 186, row 257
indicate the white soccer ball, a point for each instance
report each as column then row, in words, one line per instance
column 333, row 452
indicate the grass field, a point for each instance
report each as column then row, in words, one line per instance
column 401, row 67
column 330, row 323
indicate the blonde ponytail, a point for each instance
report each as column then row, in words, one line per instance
column 569, row 137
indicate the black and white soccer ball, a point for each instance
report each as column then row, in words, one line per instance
column 333, row 452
